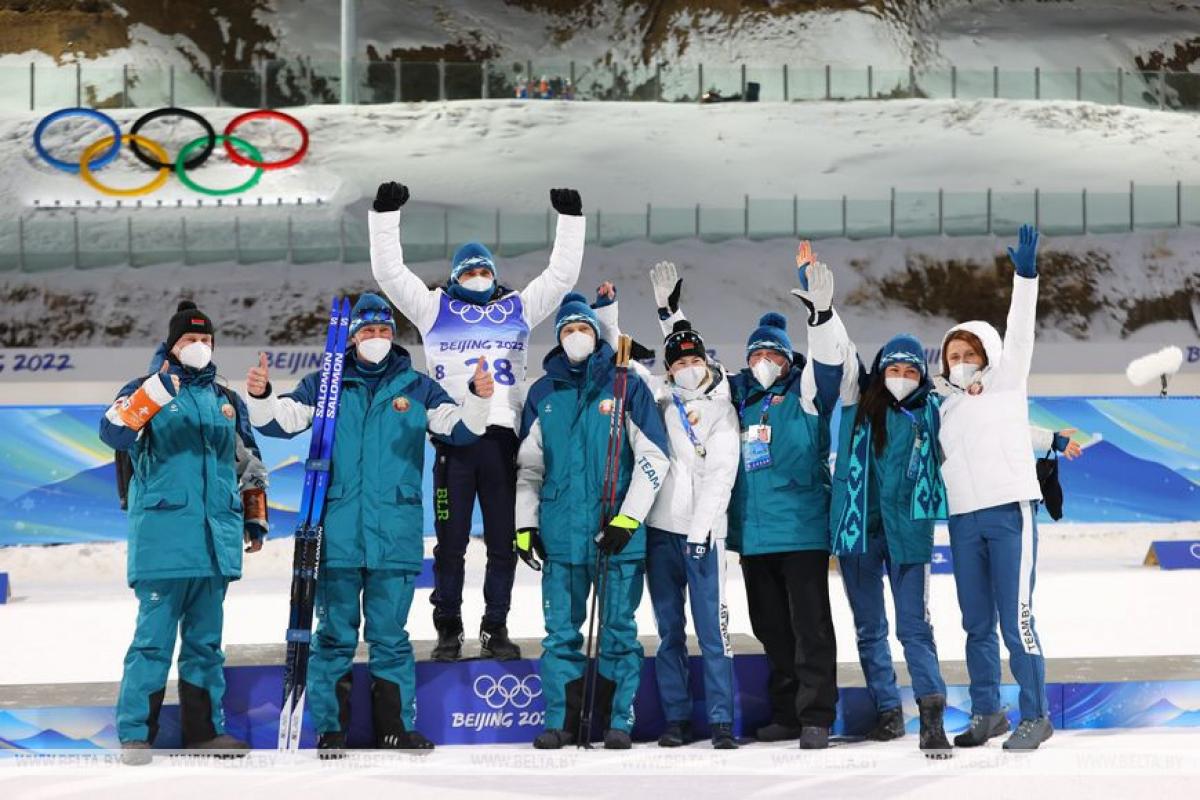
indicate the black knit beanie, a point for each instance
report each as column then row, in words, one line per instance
column 682, row 341
column 187, row 319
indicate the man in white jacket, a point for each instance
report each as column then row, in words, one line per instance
column 474, row 319
column 685, row 534
column 993, row 492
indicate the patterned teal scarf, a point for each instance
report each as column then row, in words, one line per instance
column 929, row 492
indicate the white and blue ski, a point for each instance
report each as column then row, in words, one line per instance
column 310, row 527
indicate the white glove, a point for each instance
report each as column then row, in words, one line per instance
column 665, row 280
column 819, row 295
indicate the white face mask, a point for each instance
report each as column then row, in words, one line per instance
column 578, row 346
column 961, row 375
column 477, row 283
column 374, row 350
column 766, row 372
column 692, row 377
column 196, row 355
column 900, row 387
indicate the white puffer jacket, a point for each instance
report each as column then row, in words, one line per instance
column 695, row 493
column 985, row 437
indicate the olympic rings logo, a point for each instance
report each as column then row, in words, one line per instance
column 104, row 151
column 508, row 690
column 471, row 314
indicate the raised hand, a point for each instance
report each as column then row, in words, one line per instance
column 566, row 202
column 1024, row 258
column 482, row 382
column 817, row 293
column 390, row 196
column 606, row 295
column 667, row 285
column 258, row 378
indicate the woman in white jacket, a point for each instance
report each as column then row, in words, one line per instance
column 992, row 492
column 685, row 544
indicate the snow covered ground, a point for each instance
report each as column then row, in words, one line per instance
column 72, row 600
column 1127, row 764
column 508, row 153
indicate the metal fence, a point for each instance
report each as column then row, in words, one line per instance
column 64, row 239
column 276, row 83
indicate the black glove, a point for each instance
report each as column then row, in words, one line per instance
column 639, row 352
column 527, row 542
column 616, row 534
column 566, row 201
column 390, row 196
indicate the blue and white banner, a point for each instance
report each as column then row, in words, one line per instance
column 1141, row 463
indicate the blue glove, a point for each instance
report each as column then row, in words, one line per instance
column 1024, row 258
column 697, row 552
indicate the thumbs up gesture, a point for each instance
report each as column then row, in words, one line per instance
column 482, row 382
column 258, row 380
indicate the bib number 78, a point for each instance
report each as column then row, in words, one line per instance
column 503, row 369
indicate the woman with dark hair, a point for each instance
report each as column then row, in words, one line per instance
column 887, row 492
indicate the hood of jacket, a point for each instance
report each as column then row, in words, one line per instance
column 993, row 346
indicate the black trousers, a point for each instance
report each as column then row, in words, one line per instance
column 486, row 469
column 788, row 597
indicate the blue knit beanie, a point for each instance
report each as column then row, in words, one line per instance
column 903, row 349
column 771, row 334
column 575, row 308
column 371, row 309
column 471, row 255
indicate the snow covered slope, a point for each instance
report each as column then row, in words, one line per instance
column 508, row 153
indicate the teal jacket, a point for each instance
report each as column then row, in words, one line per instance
column 891, row 482
column 185, row 508
column 565, row 430
column 373, row 508
column 784, row 507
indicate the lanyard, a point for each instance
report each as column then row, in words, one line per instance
column 762, row 414
column 687, row 426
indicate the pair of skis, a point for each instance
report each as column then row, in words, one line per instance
column 608, row 510
column 310, row 528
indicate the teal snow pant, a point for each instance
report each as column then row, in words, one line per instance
column 565, row 592
column 193, row 607
column 386, row 595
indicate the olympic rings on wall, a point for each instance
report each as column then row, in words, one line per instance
column 105, row 150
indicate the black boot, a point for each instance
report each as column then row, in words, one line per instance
column 982, row 728
column 777, row 732
column 933, row 741
column 195, row 722
column 677, row 734
column 617, row 740
column 722, row 736
column 331, row 745
column 889, row 725
column 449, row 641
column 553, row 739
column 390, row 733
column 814, row 737
column 495, row 644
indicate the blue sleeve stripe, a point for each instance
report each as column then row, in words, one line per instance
column 644, row 412
column 829, row 379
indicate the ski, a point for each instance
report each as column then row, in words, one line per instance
column 608, row 510
column 310, row 527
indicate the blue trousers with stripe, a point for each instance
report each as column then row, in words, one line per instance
column 995, row 560
column 670, row 574
column 863, row 576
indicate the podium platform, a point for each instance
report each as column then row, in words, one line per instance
column 486, row 702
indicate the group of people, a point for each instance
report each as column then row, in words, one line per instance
column 707, row 459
